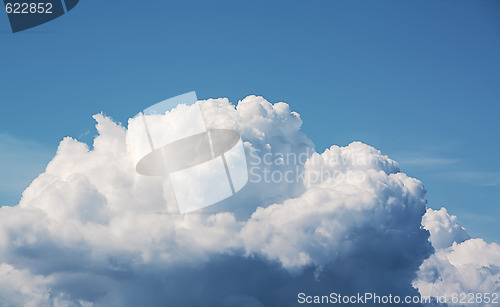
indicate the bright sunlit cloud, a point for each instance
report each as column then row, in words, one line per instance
column 88, row 229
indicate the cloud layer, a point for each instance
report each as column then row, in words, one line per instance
column 91, row 231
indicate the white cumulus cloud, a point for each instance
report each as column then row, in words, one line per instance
column 91, row 231
column 444, row 228
column 462, row 267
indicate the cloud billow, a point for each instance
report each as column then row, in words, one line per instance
column 91, row 231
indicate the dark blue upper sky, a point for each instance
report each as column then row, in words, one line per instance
column 419, row 80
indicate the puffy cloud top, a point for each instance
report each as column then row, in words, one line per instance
column 444, row 228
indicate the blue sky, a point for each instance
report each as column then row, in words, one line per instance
column 418, row 80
